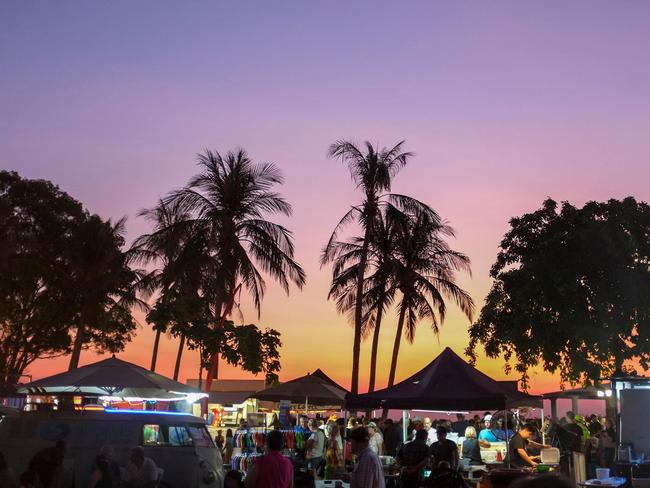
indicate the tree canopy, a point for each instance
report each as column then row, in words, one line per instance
column 571, row 292
column 60, row 267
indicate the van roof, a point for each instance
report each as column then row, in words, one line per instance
column 114, row 414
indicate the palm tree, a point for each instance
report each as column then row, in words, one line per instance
column 379, row 291
column 372, row 170
column 425, row 277
column 170, row 247
column 106, row 288
column 227, row 204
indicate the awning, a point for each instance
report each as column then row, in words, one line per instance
column 446, row 383
column 115, row 379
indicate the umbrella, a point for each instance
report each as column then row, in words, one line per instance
column 116, row 379
column 316, row 389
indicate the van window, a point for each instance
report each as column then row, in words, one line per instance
column 166, row 435
column 200, row 436
column 179, row 436
column 151, row 435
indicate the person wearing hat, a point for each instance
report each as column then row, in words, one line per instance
column 376, row 442
column 486, row 434
column 368, row 471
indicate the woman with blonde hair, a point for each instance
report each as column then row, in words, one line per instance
column 471, row 452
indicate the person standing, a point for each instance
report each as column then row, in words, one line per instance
column 368, row 471
column 271, row 470
column 486, row 433
column 413, row 457
column 6, row 474
column 219, row 440
column 444, row 450
column 228, row 447
column 431, row 432
column 376, row 442
column 315, row 446
column 102, row 476
column 519, row 457
column 141, row 471
column 47, row 464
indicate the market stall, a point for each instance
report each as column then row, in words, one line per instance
column 315, row 390
column 447, row 383
column 113, row 381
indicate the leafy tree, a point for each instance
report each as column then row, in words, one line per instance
column 570, row 292
column 62, row 274
column 245, row 346
column 37, row 222
column 372, row 170
column 104, row 288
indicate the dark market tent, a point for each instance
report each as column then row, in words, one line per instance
column 315, row 389
column 113, row 378
column 446, row 383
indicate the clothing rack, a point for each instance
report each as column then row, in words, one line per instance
column 248, row 440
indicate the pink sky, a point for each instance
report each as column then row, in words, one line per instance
column 505, row 104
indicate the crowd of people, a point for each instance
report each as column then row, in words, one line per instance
column 45, row 469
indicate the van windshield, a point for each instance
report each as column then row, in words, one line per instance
column 166, row 435
column 200, row 436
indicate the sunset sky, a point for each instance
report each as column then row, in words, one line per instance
column 504, row 104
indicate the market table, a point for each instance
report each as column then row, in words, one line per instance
column 604, row 482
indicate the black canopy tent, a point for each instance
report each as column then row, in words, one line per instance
column 316, row 388
column 446, row 383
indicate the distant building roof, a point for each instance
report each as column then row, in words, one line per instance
column 249, row 386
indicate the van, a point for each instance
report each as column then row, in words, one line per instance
column 179, row 443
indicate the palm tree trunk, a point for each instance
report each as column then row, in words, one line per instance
column 393, row 362
column 179, row 355
column 358, row 314
column 398, row 340
column 375, row 346
column 154, row 355
column 76, row 348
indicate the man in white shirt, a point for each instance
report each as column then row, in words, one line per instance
column 141, row 472
column 431, row 433
column 315, row 446
column 368, row 471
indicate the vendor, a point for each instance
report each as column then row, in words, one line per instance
column 519, row 458
column 487, row 434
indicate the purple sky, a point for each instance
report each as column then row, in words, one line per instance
column 505, row 103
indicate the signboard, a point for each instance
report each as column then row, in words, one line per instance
column 285, row 414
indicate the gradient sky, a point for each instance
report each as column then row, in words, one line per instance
column 504, row 103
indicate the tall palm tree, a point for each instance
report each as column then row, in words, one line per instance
column 379, row 291
column 228, row 203
column 372, row 170
column 169, row 246
column 425, row 277
column 106, row 288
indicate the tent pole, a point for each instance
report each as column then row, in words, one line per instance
column 306, row 405
column 505, row 428
column 405, row 427
column 542, row 426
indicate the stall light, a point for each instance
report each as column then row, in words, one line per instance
column 600, row 393
column 143, row 412
column 608, row 393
